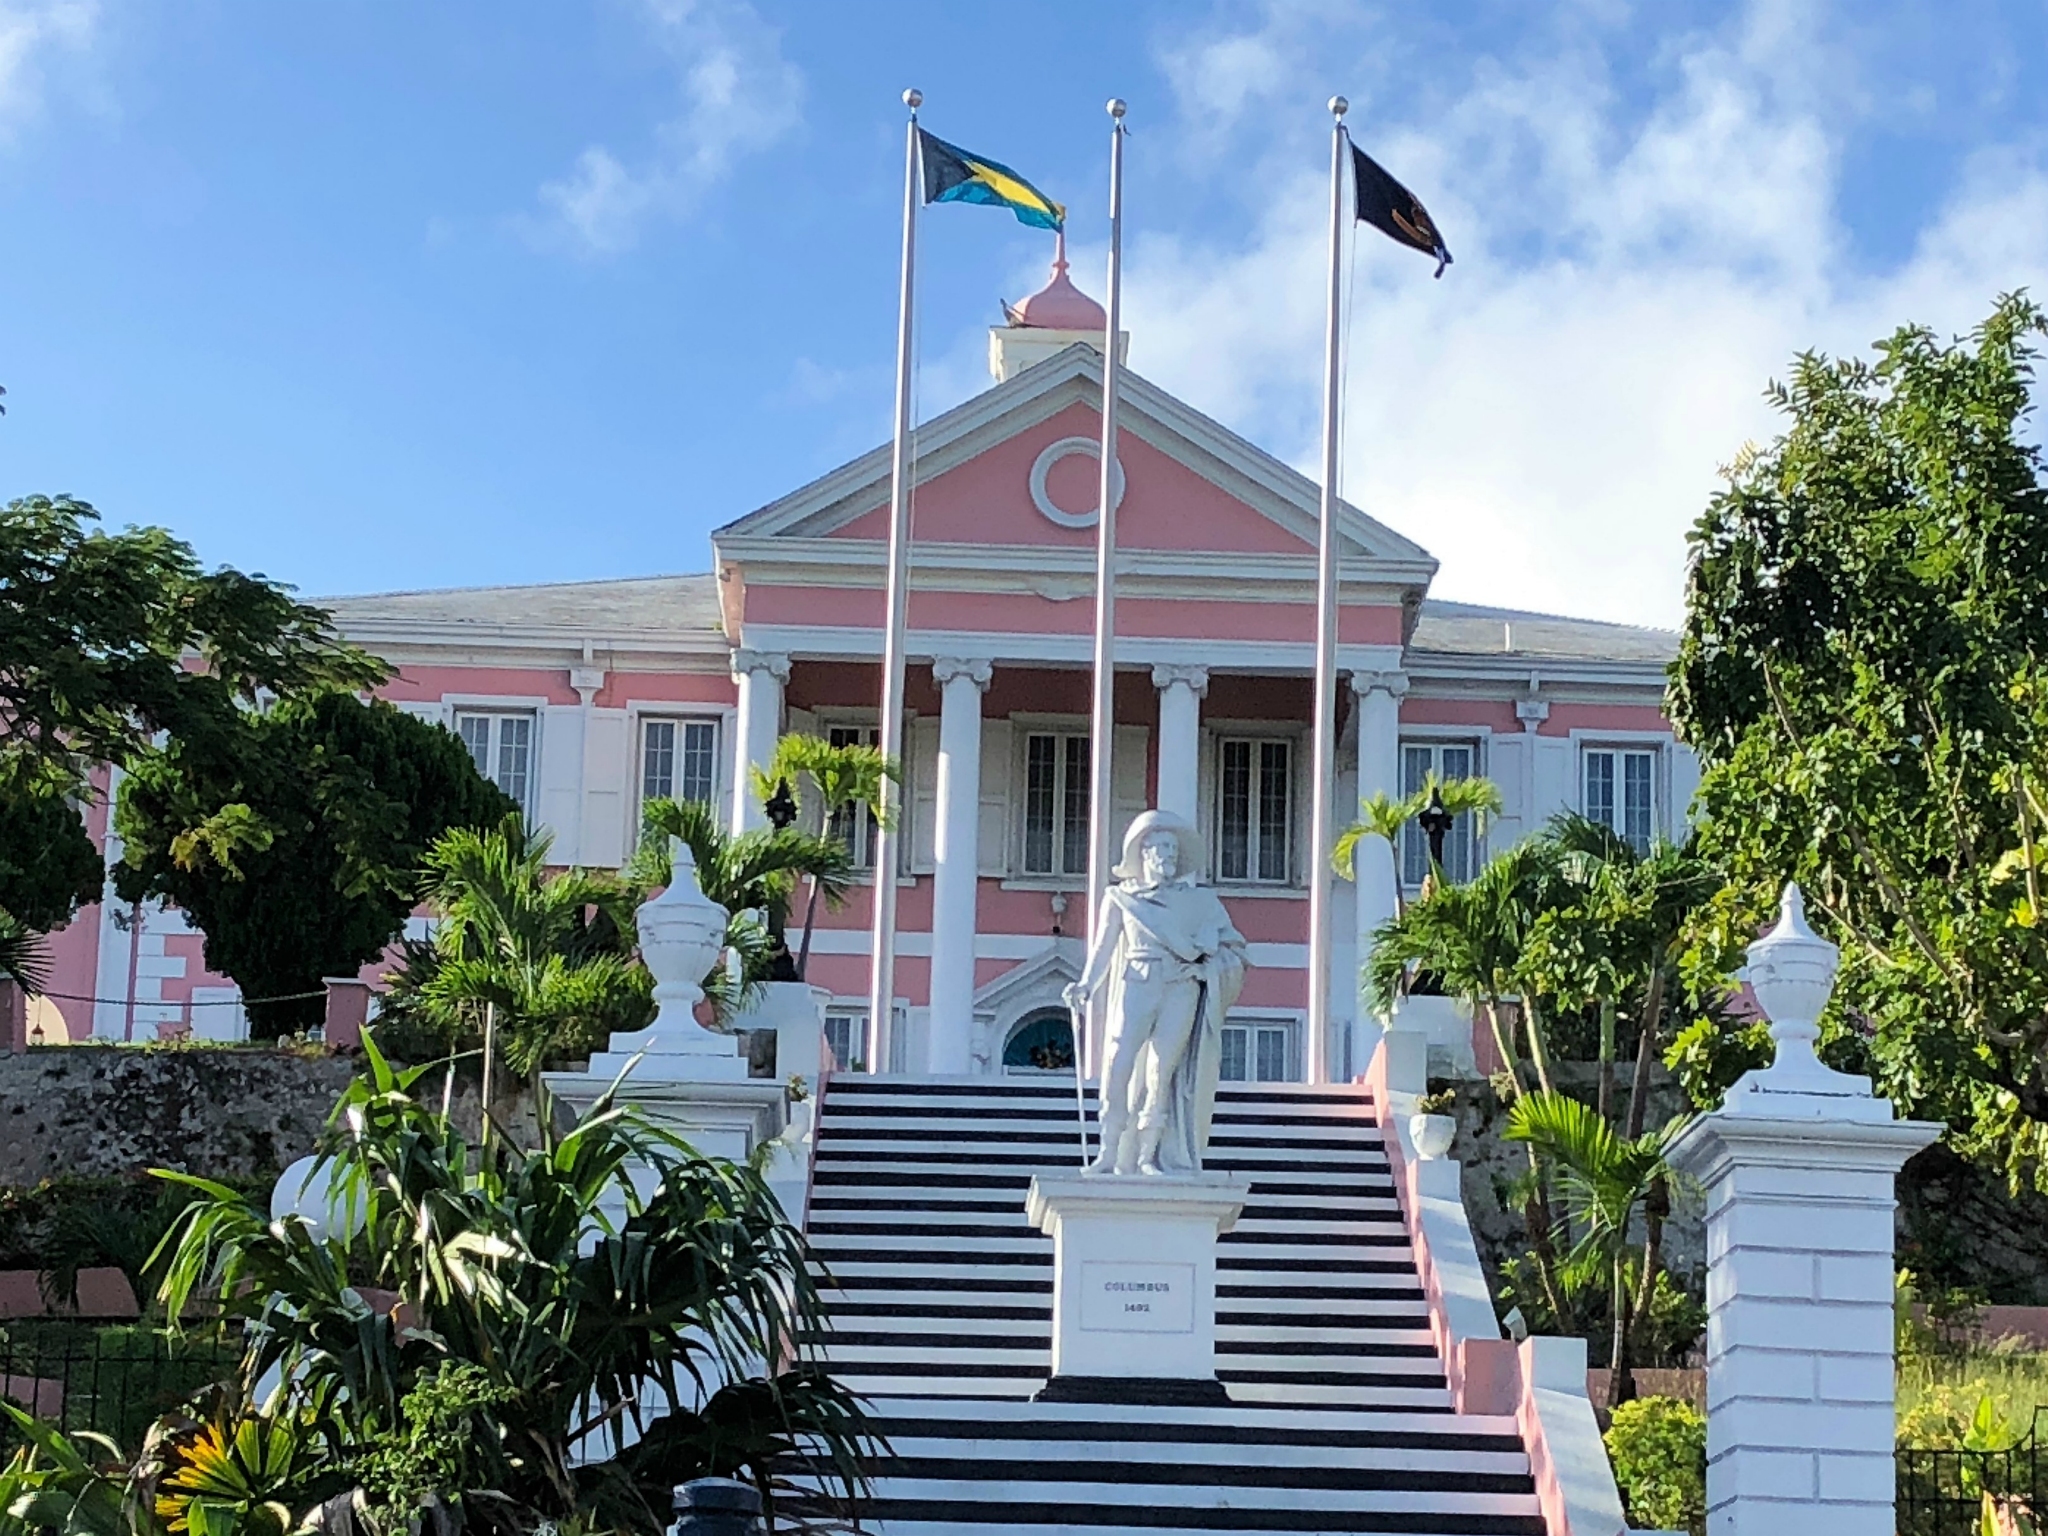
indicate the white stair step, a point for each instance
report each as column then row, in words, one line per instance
column 1198, row 1496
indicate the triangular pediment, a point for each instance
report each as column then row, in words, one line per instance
column 1016, row 467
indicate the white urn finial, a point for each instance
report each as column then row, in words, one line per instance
column 1792, row 972
column 681, row 932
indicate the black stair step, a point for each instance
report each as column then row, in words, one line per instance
column 829, row 1256
column 924, row 1341
column 948, row 1368
column 1010, row 1515
column 1205, row 1474
column 1018, row 1228
column 1200, row 1432
column 1318, row 1239
column 1384, row 1322
column 1323, row 1292
column 1310, row 1348
column 826, row 1176
column 962, row 1283
column 1363, row 1381
column 1315, row 1266
column 987, row 1312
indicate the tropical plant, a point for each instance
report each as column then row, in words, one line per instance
column 550, row 956
column 1658, row 1446
column 1603, row 1179
column 1471, row 938
column 76, row 1484
column 837, row 780
column 235, row 1476
column 1862, row 675
column 640, row 1315
column 294, row 837
column 747, row 873
column 1383, row 816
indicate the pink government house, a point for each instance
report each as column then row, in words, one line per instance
column 582, row 700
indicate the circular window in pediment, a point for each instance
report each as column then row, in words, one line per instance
column 1081, row 491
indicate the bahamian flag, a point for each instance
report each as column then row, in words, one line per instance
column 952, row 175
column 1393, row 210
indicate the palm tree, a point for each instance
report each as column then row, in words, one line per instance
column 1603, row 1178
column 627, row 1315
column 1471, row 938
column 550, row 957
column 839, row 780
column 746, row 873
column 1383, row 816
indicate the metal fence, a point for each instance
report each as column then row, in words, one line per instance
column 114, row 1378
column 1942, row 1493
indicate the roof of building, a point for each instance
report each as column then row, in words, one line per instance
column 1059, row 305
column 1468, row 629
column 664, row 604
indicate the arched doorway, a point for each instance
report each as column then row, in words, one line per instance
column 1041, row 1042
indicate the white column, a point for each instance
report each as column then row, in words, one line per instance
column 1181, row 691
column 1799, row 1167
column 760, row 675
column 1379, row 771
column 956, row 861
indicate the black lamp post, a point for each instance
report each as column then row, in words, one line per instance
column 1436, row 823
column 780, row 810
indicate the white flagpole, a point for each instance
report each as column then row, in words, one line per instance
column 882, row 972
column 1322, row 828
column 1102, row 713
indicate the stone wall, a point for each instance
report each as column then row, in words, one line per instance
column 93, row 1111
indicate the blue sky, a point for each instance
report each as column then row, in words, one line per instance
column 370, row 296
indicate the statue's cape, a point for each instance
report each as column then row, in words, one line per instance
column 1188, row 921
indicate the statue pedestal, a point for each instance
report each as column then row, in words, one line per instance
column 1134, row 1284
column 687, row 1080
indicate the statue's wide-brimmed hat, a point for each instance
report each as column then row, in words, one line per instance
column 1194, row 854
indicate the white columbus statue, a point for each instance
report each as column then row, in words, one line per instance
column 1165, row 966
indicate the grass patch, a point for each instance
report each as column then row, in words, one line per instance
column 1939, row 1396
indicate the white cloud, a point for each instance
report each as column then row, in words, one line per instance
column 31, row 31
column 738, row 96
column 1547, row 419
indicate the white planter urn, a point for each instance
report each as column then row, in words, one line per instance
column 681, row 933
column 1431, row 1135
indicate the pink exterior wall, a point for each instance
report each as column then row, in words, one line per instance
column 1482, row 714
column 1566, row 718
column 1166, row 505
column 419, row 684
column 709, row 687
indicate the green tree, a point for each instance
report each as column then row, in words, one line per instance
column 606, row 1286
column 108, row 640
column 550, row 955
column 838, row 781
column 1604, row 1179
column 1862, row 672
column 295, row 837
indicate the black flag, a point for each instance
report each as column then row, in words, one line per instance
column 1393, row 210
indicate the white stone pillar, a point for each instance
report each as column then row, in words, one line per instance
column 1798, row 1168
column 1181, row 691
column 760, row 675
column 956, row 861
column 1375, row 867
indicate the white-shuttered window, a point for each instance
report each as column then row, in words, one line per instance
column 1055, row 804
column 1261, row 1051
column 1447, row 760
column 1254, row 810
column 678, row 760
column 501, row 742
column 855, row 825
column 1620, row 792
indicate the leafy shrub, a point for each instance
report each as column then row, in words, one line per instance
column 1659, row 1449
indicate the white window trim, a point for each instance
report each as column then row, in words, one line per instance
column 532, row 707
column 1297, row 1046
column 1659, row 743
column 638, row 713
column 846, row 717
column 1480, row 739
column 1022, row 728
column 1208, row 801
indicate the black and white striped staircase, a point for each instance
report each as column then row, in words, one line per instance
column 941, row 1299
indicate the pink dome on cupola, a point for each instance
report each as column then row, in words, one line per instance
column 1059, row 305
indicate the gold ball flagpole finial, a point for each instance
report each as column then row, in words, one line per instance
column 913, row 98
column 1339, row 106
column 1116, row 108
